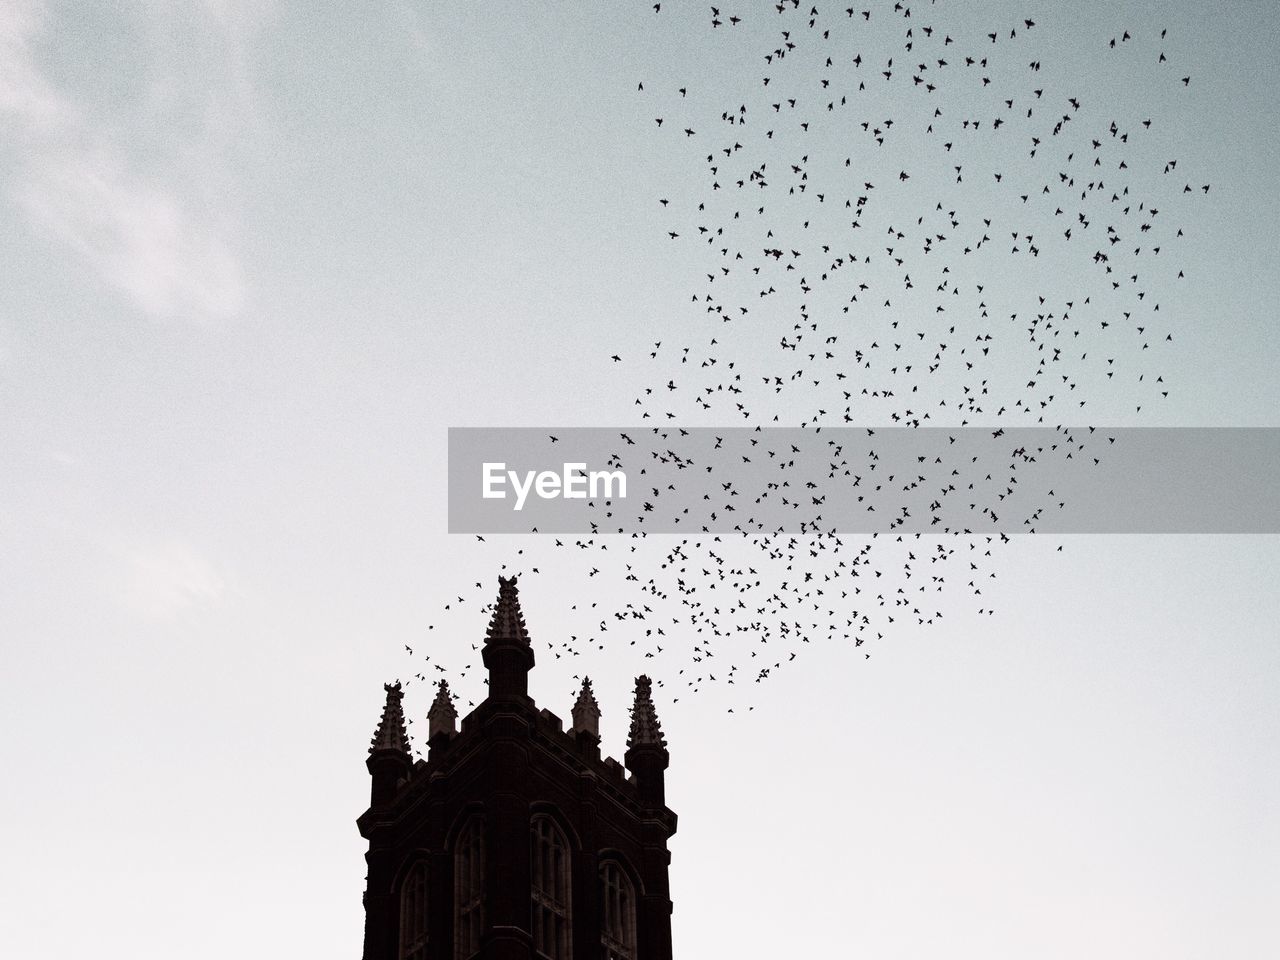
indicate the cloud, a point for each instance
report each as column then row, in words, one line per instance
column 164, row 581
column 23, row 92
column 137, row 237
column 154, row 228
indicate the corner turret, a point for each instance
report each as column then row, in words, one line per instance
column 586, row 711
column 441, row 718
column 646, row 755
column 586, row 721
column 390, row 759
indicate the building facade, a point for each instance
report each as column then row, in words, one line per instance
column 514, row 839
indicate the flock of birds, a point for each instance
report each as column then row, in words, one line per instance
column 896, row 217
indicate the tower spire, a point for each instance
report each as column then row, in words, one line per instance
column 507, row 653
column 586, row 711
column 391, row 734
column 507, row 623
column 389, row 761
column 646, row 755
column 646, row 731
column 441, row 716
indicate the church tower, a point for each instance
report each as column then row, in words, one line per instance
column 514, row 839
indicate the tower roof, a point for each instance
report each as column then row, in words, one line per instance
column 441, row 716
column 442, row 706
column 507, row 623
column 586, row 699
column 645, row 729
column 586, row 711
column 391, row 734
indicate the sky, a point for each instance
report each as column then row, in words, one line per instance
column 258, row 258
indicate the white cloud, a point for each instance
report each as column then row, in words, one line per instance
column 23, row 92
column 137, row 237
column 163, row 581
column 149, row 229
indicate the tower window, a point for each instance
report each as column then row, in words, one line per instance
column 551, row 890
column 413, row 914
column 468, row 899
column 618, row 898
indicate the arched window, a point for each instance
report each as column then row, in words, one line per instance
column 551, row 888
column 468, row 889
column 413, row 913
column 618, row 899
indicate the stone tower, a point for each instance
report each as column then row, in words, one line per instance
column 514, row 839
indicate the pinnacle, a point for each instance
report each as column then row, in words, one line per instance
column 645, row 728
column 586, row 698
column 443, row 703
column 441, row 716
column 507, row 623
column 586, row 711
column 391, row 734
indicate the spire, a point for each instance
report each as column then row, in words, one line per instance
column 646, row 755
column 507, row 653
column 441, row 716
column 391, row 734
column 645, row 729
column 586, row 712
column 389, row 761
column 507, row 623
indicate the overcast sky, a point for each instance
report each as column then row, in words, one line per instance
column 258, row 257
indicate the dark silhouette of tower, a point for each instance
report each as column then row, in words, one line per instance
column 513, row 839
